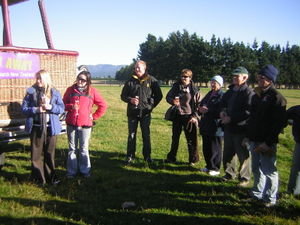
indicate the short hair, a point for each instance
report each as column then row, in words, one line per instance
column 187, row 72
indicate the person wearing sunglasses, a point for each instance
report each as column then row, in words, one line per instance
column 185, row 95
column 267, row 120
column 79, row 100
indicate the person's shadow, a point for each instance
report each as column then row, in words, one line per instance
column 11, row 129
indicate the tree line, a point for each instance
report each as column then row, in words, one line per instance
column 166, row 58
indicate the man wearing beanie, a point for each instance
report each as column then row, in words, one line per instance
column 267, row 119
column 235, row 106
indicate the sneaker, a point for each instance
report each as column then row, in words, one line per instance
column 204, row 170
column 214, row 173
column 56, row 182
column 270, row 204
column 192, row 164
column 128, row 160
column 226, row 178
column 243, row 182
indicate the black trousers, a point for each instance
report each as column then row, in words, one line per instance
column 42, row 156
column 132, row 129
column 212, row 151
column 191, row 137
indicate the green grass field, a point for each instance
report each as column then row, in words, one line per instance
column 163, row 193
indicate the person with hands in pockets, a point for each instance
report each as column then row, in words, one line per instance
column 79, row 100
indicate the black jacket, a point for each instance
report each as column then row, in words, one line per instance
column 237, row 105
column 267, row 116
column 209, row 121
column 293, row 113
column 148, row 91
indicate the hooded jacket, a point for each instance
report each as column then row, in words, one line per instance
column 30, row 109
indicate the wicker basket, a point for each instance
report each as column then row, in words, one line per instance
column 62, row 67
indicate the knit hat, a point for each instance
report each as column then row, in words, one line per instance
column 240, row 70
column 218, row 79
column 270, row 72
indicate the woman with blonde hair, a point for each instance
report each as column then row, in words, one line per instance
column 42, row 105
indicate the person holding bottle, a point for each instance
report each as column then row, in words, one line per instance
column 142, row 94
column 79, row 100
column 42, row 105
column 186, row 97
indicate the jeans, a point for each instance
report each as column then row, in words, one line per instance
column 78, row 155
column 265, row 174
column 295, row 169
column 132, row 129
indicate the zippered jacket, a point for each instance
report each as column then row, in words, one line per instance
column 209, row 121
column 267, row 116
column 148, row 91
column 178, row 90
column 30, row 109
column 237, row 106
column 84, row 116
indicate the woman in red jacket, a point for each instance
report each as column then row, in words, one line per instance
column 79, row 100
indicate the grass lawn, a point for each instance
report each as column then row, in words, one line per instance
column 162, row 193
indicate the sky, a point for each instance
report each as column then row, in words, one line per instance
column 110, row 31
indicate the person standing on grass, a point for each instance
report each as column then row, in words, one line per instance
column 210, row 127
column 267, row 120
column 42, row 105
column 293, row 116
column 79, row 100
column 186, row 97
column 235, row 106
column 142, row 94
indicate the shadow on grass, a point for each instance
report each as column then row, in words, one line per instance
column 162, row 193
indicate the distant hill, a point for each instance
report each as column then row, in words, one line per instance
column 104, row 70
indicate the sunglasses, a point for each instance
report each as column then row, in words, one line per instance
column 185, row 77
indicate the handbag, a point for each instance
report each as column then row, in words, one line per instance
column 171, row 113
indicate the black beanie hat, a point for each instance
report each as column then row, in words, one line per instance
column 270, row 72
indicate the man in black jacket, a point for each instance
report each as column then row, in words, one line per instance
column 267, row 119
column 142, row 94
column 235, row 105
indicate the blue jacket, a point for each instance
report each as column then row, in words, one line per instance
column 30, row 109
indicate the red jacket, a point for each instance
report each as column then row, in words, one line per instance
column 84, row 116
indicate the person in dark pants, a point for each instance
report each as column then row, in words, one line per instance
column 267, row 120
column 42, row 105
column 293, row 116
column 210, row 127
column 186, row 97
column 142, row 94
column 235, row 106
